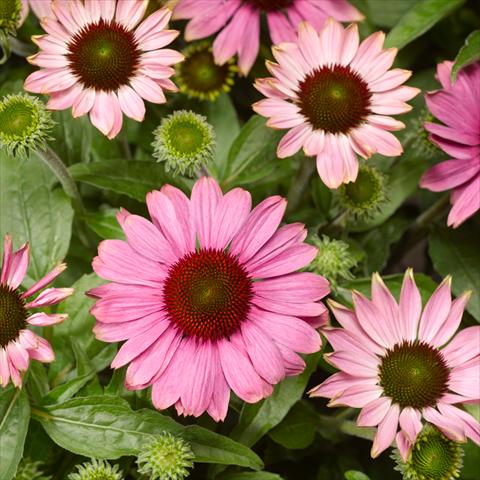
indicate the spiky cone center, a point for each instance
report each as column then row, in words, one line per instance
column 96, row 470
column 199, row 77
column 414, row 374
column 104, row 55
column 184, row 141
column 24, row 122
column 13, row 315
column 207, row 294
column 166, row 458
column 334, row 99
column 271, row 5
column 10, row 12
column 364, row 196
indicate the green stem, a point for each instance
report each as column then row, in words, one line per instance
column 63, row 175
column 300, row 184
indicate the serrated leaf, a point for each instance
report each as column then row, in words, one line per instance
column 456, row 252
column 106, row 427
column 129, row 177
column 14, row 420
column 419, row 19
column 31, row 210
column 469, row 53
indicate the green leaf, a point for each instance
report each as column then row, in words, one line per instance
column 106, row 427
column 297, row 430
column 14, row 420
column 394, row 282
column 256, row 420
column 419, row 19
column 252, row 476
column 469, row 53
column 456, row 252
column 252, row 155
column 386, row 13
column 129, row 177
column 31, row 210
column 104, row 223
column 355, row 475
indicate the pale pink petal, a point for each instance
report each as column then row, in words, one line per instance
column 18, row 266
column 44, row 320
column 331, row 39
column 357, row 396
column 410, row 307
column 218, row 406
column 102, row 115
column 403, row 445
column 107, row 9
column 293, row 141
column 374, row 412
column 330, row 165
column 351, row 363
column 436, row 311
column 17, row 355
column 410, row 423
column 470, row 424
column 41, row 8
column 84, row 103
column 314, row 143
column 309, row 44
column 248, row 48
column 50, row 296
column 43, row 352
column 449, row 427
column 131, row 103
column 130, row 13
column 148, row 89
column 336, row 385
column 466, row 203
column 6, row 259
column 386, row 431
column 463, row 347
column 389, row 80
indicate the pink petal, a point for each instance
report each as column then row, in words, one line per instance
column 410, row 307
column 17, row 355
column 449, row 427
column 410, row 423
column 463, row 347
column 102, row 114
column 18, row 266
column 218, row 406
column 336, row 384
column 43, row 352
column 449, row 174
column 357, row 396
column 248, row 49
column 436, row 311
column 374, row 412
column 148, row 89
column 351, row 363
column 50, row 296
column 470, row 424
column 403, row 445
column 130, row 13
column 6, row 259
column 466, row 203
column 293, row 141
column 241, row 375
column 386, row 432
column 44, row 320
column 84, row 103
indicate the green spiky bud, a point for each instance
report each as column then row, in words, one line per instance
column 365, row 196
column 334, row 259
column 10, row 15
column 96, row 470
column 168, row 457
column 30, row 470
column 25, row 124
column 198, row 76
column 185, row 141
column 433, row 457
column 418, row 137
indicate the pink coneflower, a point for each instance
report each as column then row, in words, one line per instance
column 334, row 95
column 456, row 105
column 207, row 298
column 94, row 60
column 399, row 364
column 239, row 21
column 18, row 344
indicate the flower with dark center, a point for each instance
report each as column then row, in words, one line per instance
column 185, row 141
column 18, row 344
column 238, row 23
column 107, row 64
column 365, row 196
column 25, row 124
column 199, row 76
column 167, row 457
column 433, row 456
column 211, row 284
column 334, row 94
column 399, row 364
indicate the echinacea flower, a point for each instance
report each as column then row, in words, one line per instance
column 19, row 344
column 96, row 470
column 96, row 60
column 208, row 298
column 457, row 106
column 239, row 22
column 399, row 364
column 335, row 97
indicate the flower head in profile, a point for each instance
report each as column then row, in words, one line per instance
column 19, row 344
column 208, row 298
column 96, row 470
column 456, row 105
column 238, row 22
column 25, row 124
column 185, row 141
column 95, row 59
column 400, row 364
column 335, row 95
column 166, row 458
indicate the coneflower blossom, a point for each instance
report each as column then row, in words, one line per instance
column 335, row 96
column 457, row 106
column 400, row 364
column 208, row 298
column 239, row 22
column 19, row 344
column 95, row 59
